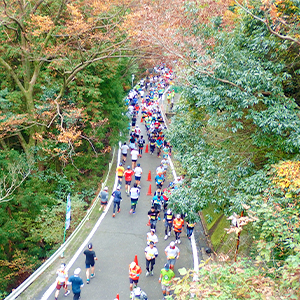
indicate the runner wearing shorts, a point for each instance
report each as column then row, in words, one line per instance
column 120, row 171
column 128, row 177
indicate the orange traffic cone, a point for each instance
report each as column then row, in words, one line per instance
column 147, row 149
column 148, row 224
column 141, row 119
column 136, row 260
column 149, row 176
column 149, row 191
column 118, row 297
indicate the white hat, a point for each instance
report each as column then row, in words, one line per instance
column 77, row 271
column 172, row 244
column 106, row 188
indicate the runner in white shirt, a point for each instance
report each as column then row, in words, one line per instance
column 150, row 253
column 138, row 171
column 134, row 195
column 134, row 157
column 172, row 252
column 124, row 150
column 152, row 237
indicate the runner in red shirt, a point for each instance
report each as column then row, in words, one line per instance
column 128, row 177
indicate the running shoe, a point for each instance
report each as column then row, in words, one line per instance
column 67, row 293
column 166, row 237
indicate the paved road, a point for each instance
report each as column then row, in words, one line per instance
column 118, row 240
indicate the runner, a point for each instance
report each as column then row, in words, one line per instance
column 61, row 280
column 134, row 157
column 134, row 195
column 104, row 198
column 178, row 224
column 141, row 143
column 117, row 200
column 152, row 237
column 190, row 225
column 159, row 180
column 138, row 294
column 124, row 150
column 172, row 252
column 138, row 171
column 168, row 220
column 150, row 253
column 153, row 216
column 165, row 278
column 76, row 283
column 156, row 202
column 120, row 171
column 90, row 257
column 134, row 274
column 152, row 141
column 128, row 177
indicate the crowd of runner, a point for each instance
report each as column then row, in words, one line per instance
column 142, row 101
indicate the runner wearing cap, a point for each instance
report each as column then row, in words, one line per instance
column 128, row 177
column 165, row 278
column 61, row 280
column 150, row 253
column 104, row 198
column 117, row 200
column 120, row 171
column 168, row 220
column 134, row 274
column 172, row 252
column 76, row 283
column 90, row 257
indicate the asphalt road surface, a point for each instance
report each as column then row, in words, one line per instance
column 119, row 239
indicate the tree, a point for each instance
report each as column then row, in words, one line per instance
column 46, row 45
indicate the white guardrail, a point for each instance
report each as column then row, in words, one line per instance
column 193, row 241
column 15, row 293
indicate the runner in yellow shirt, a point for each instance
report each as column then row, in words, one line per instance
column 120, row 171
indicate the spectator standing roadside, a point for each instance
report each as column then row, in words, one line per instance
column 90, row 257
column 61, row 280
column 165, row 278
column 117, row 200
column 150, row 253
column 172, row 252
column 104, row 198
column 76, row 283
